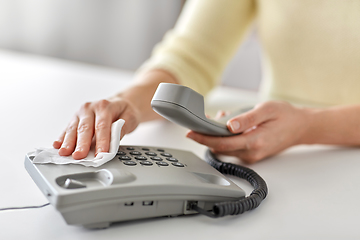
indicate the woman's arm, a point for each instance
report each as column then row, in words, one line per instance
column 338, row 125
column 206, row 36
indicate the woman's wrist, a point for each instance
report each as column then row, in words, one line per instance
column 140, row 93
column 311, row 119
column 337, row 125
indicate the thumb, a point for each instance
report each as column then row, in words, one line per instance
column 251, row 119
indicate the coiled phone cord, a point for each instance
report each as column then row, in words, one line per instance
column 235, row 207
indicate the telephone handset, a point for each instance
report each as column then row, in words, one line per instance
column 184, row 106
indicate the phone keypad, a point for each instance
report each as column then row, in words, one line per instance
column 147, row 157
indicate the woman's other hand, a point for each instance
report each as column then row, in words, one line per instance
column 266, row 130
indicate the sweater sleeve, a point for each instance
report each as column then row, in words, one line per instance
column 202, row 42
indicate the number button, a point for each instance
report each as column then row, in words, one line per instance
column 171, row 159
column 162, row 163
column 146, row 163
column 156, row 158
column 125, row 158
column 136, row 153
column 177, row 164
column 150, row 153
column 129, row 163
column 121, row 153
column 166, row 154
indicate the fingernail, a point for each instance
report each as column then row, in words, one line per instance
column 64, row 147
column 234, row 125
column 189, row 135
column 99, row 150
column 62, row 150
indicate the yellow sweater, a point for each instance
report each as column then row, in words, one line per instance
column 311, row 48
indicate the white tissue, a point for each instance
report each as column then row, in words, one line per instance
column 50, row 155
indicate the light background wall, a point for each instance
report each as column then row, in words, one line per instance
column 114, row 33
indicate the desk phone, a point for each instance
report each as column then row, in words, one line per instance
column 145, row 182
column 139, row 182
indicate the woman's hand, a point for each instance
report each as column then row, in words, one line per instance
column 95, row 119
column 266, row 130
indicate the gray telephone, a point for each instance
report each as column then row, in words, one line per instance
column 146, row 182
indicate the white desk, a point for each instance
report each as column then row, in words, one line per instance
column 313, row 191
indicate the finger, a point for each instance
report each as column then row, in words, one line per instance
column 107, row 113
column 85, row 133
column 258, row 115
column 247, row 156
column 220, row 114
column 68, row 145
column 260, row 143
column 131, row 117
column 57, row 144
column 102, row 132
column 221, row 144
column 239, row 154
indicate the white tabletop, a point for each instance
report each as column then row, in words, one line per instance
column 313, row 190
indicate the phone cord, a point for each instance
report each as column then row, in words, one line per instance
column 244, row 204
